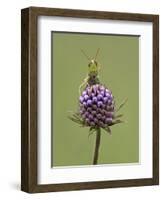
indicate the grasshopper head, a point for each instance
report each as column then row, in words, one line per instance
column 93, row 68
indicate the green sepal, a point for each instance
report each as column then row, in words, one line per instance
column 116, row 122
column 107, row 129
column 118, row 116
column 75, row 117
column 91, row 131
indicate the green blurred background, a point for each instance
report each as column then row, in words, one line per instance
column 119, row 60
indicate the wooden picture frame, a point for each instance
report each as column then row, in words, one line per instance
column 29, row 110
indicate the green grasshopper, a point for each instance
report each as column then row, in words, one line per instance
column 93, row 71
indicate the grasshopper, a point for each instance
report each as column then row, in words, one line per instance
column 93, row 72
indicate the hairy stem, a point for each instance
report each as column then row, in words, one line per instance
column 97, row 145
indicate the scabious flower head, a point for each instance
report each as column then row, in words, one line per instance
column 96, row 105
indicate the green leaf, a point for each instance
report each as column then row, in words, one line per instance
column 121, row 105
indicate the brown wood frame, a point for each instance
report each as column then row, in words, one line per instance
column 29, row 99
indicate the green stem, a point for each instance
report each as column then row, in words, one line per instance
column 97, row 145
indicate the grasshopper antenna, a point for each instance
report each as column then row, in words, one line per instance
column 97, row 53
column 85, row 54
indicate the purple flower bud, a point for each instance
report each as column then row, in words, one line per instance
column 105, row 125
column 105, row 100
column 93, row 95
column 99, row 96
column 107, row 94
column 89, row 109
column 99, row 103
column 94, row 106
column 108, row 91
column 102, row 93
column 108, row 108
column 81, row 112
column 81, row 99
column 102, row 111
column 108, row 120
column 86, row 97
column 84, row 116
column 87, row 120
column 101, row 123
column 112, row 107
column 87, row 114
column 90, row 117
column 110, row 97
column 109, row 114
column 109, row 102
column 94, row 99
column 89, row 102
column 82, row 108
column 99, row 110
column 99, row 116
column 102, row 88
column 93, row 112
column 84, row 93
column 95, row 119
column 84, row 103
column 113, row 102
column 92, row 123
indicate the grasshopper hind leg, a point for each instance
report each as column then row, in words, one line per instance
column 84, row 83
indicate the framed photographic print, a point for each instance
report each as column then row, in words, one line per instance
column 90, row 99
